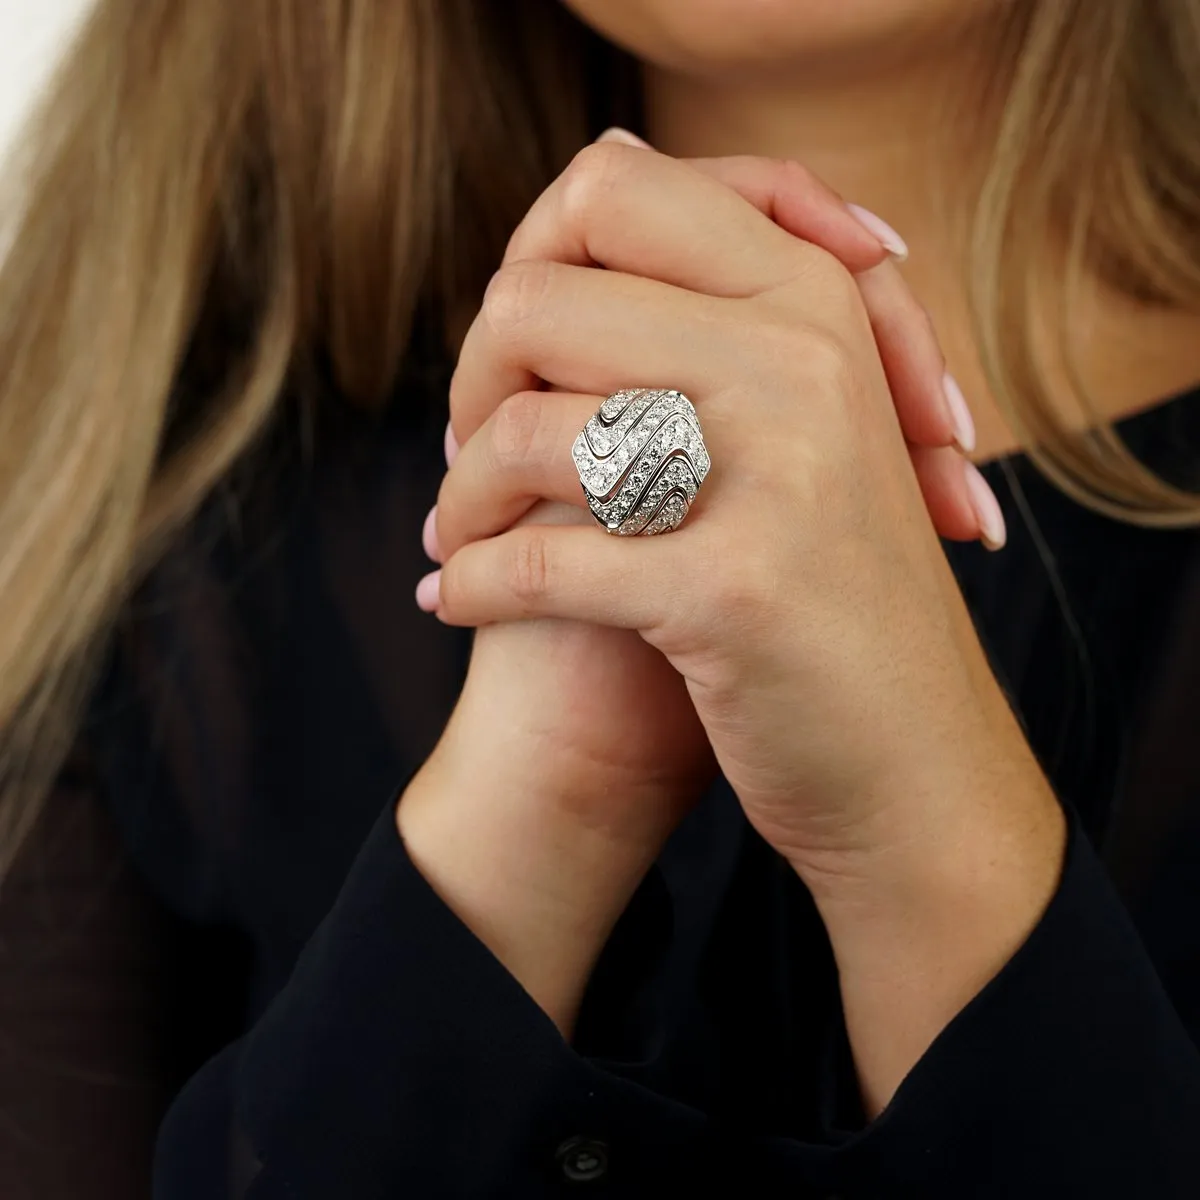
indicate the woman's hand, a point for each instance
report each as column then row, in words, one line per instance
column 574, row 749
column 805, row 601
column 809, row 558
column 615, row 708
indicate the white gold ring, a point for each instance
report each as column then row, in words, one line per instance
column 641, row 459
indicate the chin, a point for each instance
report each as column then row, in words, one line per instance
column 720, row 35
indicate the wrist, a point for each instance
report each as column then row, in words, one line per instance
column 922, row 927
column 942, row 815
column 990, row 870
column 508, row 853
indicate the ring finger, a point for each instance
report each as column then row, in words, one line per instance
column 521, row 454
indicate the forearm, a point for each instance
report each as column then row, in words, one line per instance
column 508, row 854
column 920, row 936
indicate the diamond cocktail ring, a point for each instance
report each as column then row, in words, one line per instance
column 641, row 460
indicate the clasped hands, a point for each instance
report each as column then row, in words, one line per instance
column 802, row 629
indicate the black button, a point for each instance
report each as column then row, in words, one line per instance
column 583, row 1159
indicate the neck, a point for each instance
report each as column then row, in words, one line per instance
column 866, row 129
column 879, row 134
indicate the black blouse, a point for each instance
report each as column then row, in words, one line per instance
column 219, row 896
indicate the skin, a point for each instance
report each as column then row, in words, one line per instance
column 881, row 100
column 617, row 751
column 747, row 39
column 828, row 666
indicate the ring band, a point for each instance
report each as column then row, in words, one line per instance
column 641, row 459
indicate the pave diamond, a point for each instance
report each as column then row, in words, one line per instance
column 609, row 443
column 669, row 516
column 641, row 459
column 625, row 499
column 667, row 502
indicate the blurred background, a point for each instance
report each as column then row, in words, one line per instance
column 33, row 34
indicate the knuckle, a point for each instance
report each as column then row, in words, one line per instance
column 796, row 178
column 529, row 567
column 591, row 175
column 829, row 362
column 514, row 295
column 838, row 288
column 770, row 342
column 516, row 429
column 824, row 284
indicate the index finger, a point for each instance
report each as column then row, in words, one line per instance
column 710, row 226
column 694, row 223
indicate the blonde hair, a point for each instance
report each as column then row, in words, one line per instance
column 254, row 187
column 1098, row 146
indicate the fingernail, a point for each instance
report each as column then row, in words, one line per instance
column 877, row 227
column 429, row 539
column 451, row 443
column 960, row 414
column 428, row 592
column 987, row 509
column 616, row 134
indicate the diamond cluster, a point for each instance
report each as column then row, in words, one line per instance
column 641, row 460
column 669, row 516
column 612, row 408
column 610, row 443
column 667, row 501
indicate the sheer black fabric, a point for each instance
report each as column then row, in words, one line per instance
column 219, row 896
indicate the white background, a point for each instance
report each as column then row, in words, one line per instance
column 33, row 34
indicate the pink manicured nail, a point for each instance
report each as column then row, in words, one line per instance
column 960, row 414
column 451, row 443
column 428, row 592
column 987, row 509
column 429, row 536
column 877, row 227
column 616, row 134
